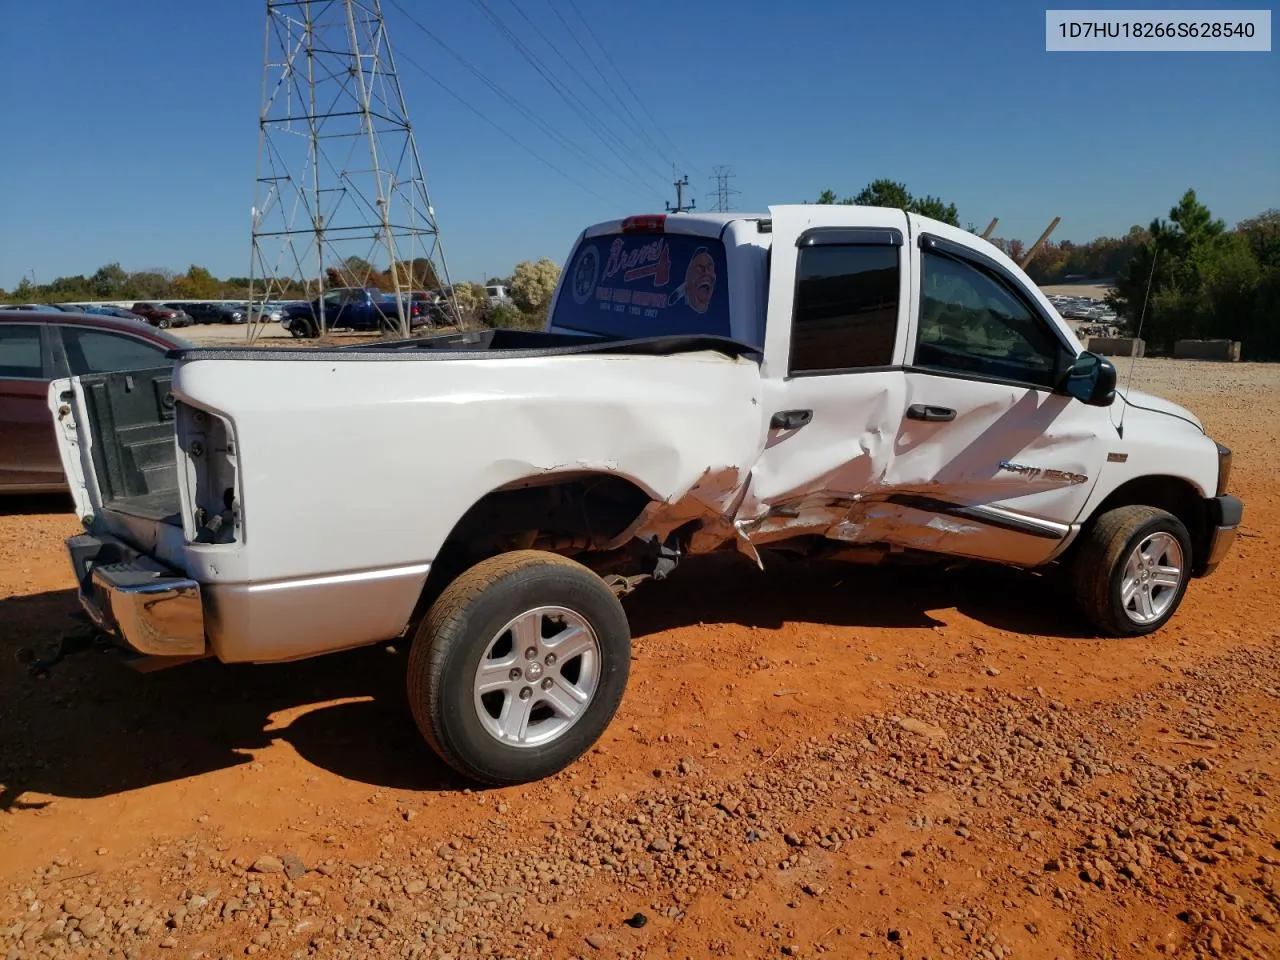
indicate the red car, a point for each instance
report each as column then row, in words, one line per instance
column 36, row 348
column 158, row 315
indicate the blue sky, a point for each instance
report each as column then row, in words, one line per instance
column 132, row 127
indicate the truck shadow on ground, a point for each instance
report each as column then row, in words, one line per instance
column 730, row 589
column 90, row 726
column 36, row 503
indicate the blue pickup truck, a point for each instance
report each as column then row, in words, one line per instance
column 354, row 308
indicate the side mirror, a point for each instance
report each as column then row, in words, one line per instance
column 1091, row 379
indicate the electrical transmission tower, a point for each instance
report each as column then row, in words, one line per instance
column 340, row 187
column 724, row 193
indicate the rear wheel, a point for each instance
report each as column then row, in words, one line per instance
column 519, row 666
column 301, row 328
column 1131, row 569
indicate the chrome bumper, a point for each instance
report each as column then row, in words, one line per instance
column 149, row 608
column 1225, row 513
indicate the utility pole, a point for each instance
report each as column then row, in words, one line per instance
column 724, row 192
column 679, row 183
column 339, row 183
column 1035, row 247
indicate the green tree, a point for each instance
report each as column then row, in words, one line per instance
column 196, row 284
column 107, row 282
column 891, row 193
column 1205, row 283
column 470, row 296
column 533, row 283
column 1263, row 236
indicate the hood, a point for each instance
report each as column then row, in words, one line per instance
column 1148, row 401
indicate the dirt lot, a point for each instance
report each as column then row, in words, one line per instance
column 818, row 760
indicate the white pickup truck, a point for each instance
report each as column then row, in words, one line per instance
column 840, row 381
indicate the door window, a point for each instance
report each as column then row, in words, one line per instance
column 20, row 355
column 846, row 312
column 970, row 322
column 97, row 351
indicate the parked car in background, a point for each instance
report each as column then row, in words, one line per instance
column 104, row 310
column 39, row 346
column 268, row 312
column 159, row 315
column 228, row 312
column 209, row 312
column 36, row 307
column 353, row 308
column 498, row 296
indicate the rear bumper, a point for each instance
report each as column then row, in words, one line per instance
column 148, row 608
column 155, row 610
column 1224, row 515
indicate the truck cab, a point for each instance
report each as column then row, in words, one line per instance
column 912, row 369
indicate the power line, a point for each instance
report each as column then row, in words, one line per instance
column 724, row 193
column 592, row 34
column 569, row 98
column 576, row 72
column 608, row 84
column 523, row 146
column 524, row 111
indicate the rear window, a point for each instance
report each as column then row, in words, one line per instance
column 643, row 285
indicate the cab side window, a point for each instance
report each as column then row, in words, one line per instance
column 96, row 351
column 846, row 309
column 972, row 323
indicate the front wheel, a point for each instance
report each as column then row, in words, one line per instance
column 1131, row 569
column 519, row 666
column 301, row 328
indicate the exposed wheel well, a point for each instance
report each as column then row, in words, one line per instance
column 1173, row 494
column 568, row 515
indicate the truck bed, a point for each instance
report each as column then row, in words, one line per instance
column 478, row 345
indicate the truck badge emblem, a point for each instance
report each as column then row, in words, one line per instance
column 1034, row 473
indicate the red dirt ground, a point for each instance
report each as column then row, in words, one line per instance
column 815, row 760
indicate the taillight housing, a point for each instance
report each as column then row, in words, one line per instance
column 645, row 223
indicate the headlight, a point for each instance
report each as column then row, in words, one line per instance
column 1224, row 468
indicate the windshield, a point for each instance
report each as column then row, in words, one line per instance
column 642, row 285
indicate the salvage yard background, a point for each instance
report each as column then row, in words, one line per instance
column 820, row 759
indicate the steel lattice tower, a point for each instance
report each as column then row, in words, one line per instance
column 724, row 193
column 339, row 180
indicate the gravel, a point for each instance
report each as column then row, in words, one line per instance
column 1071, row 808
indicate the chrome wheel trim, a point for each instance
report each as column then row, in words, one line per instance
column 1153, row 574
column 537, row 677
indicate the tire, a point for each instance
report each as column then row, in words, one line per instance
column 301, row 328
column 1101, row 567
column 467, row 625
column 164, row 323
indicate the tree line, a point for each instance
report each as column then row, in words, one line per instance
column 1207, row 281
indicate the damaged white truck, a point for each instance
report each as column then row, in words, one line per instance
column 837, row 381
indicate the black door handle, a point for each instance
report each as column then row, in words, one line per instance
column 921, row 411
column 790, row 419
